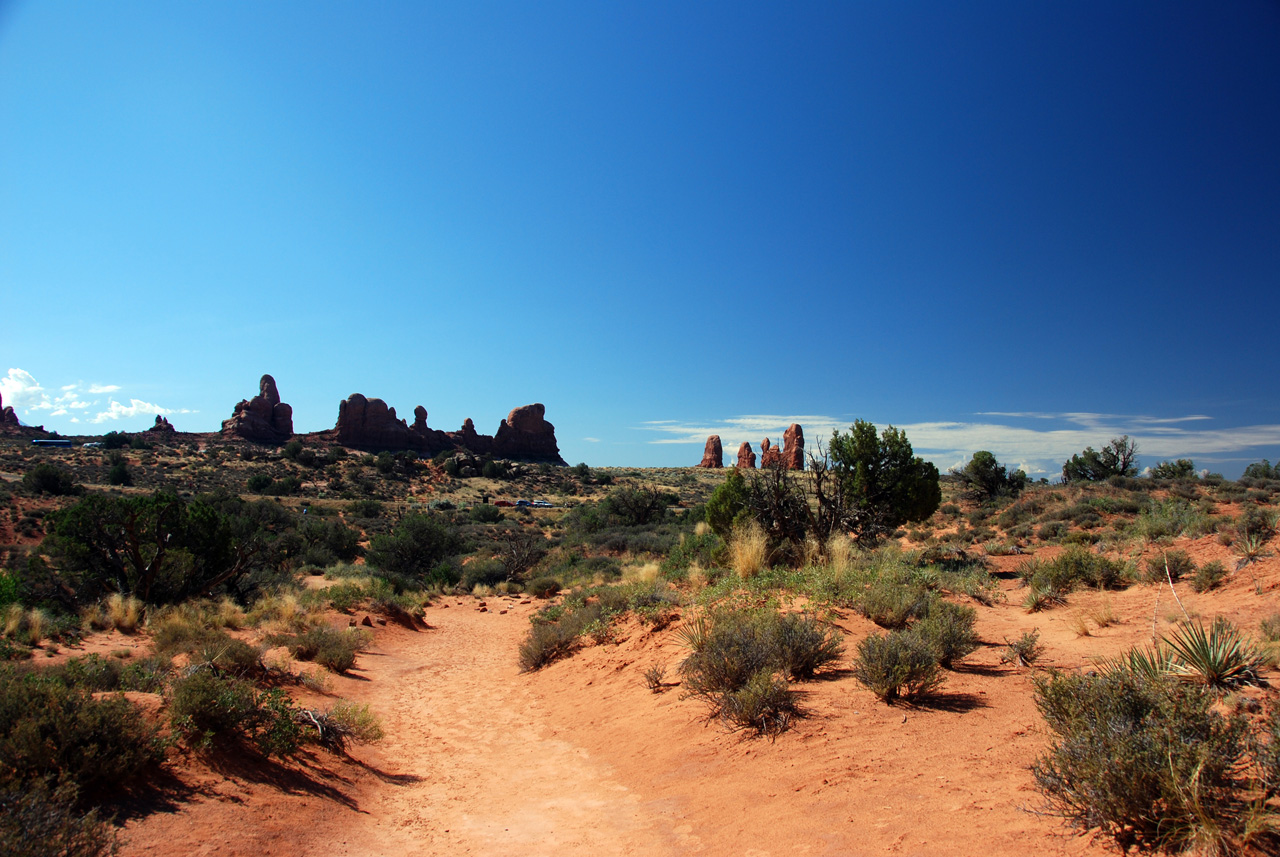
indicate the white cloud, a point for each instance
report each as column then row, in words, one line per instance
column 96, row 389
column 592, row 439
column 21, row 390
column 135, row 408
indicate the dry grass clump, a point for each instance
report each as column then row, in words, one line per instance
column 124, row 612
column 748, row 550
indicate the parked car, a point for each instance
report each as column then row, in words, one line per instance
column 503, row 503
column 542, row 504
column 523, row 503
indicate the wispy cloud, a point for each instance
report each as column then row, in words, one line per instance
column 20, row 389
column 135, row 408
column 591, row 439
column 1039, row 448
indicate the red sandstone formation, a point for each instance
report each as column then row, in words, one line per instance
column 770, row 455
column 264, row 418
column 370, row 424
column 162, row 426
column 8, row 419
column 526, row 434
column 713, row 453
column 746, row 458
column 793, row 447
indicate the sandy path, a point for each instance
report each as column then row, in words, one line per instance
column 490, row 775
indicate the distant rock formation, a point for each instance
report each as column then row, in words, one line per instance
column 793, row 447
column 264, row 418
column 162, row 426
column 8, row 419
column 746, row 458
column 369, row 424
column 712, row 453
column 770, row 455
column 525, row 433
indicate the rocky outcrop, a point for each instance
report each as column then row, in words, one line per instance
column 770, row 455
column 746, row 458
column 712, row 453
column 264, row 418
column 526, row 434
column 370, row 424
column 365, row 423
column 8, row 419
column 162, row 426
column 793, row 447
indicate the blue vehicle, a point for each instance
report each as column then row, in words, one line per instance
column 50, row 442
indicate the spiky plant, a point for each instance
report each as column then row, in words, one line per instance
column 1219, row 657
column 1150, row 664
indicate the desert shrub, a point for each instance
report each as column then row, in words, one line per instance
column 1173, row 517
column 344, row 722
column 46, row 478
column 1254, row 521
column 329, row 647
column 543, row 587
column 1075, row 567
column 546, row 642
column 40, row 820
column 737, row 658
column 947, row 629
column 1209, row 576
column 96, row 674
column 1051, row 530
column 119, row 474
column 1024, row 651
column 415, row 548
column 483, row 572
column 1143, row 761
column 50, row 730
column 258, row 483
column 892, row 603
column 1177, row 562
column 486, row 514
column 763, row 705
column 286, row 486
column 705, row 549
column 984, row 478
column 748, row 550
column 365, row 508
column 1117, row 458
column 1183, row 468
column 1269, row 628
column 898, row 664
column 204, row 705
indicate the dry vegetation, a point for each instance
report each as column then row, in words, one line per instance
column 1143, row 602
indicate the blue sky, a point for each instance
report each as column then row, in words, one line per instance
column 1013, row 226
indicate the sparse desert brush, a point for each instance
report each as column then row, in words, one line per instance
column 947, row 629
column 1209, row 576
column 13, row 619
column 35, row 627
column 345, row 721
column 1080, row 625
column 328, row 647
column 1269, row 628
column 701, row 528
column 642, row 573
column 654, row 677
column 125, row 612
column 285, row 609
column 1024, row 651
column 897, row 665
column 481, row 590
column 1153, row 763
column 1102, row 613
column 546, row 642
column 1174, row 564
column 748, row 550
column 230, row 614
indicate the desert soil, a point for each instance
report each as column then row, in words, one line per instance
column 581, row 758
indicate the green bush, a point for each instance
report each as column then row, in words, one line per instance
column 51, row 731
column 892, row 603
column 1209, row 576
column 898, row 664
column 46, row 478
column 947, row 629
column 763, row 705
column 803, row 646
column 543, row 587
column 1052, row 530
column 546, row 642
column 42, row 821
column 415, row 548
column 328, row 647
column 259, row 483
column 365, row 508
column 205, row 705
column 119, row 474
column 1178, row 563
column 1144, row 761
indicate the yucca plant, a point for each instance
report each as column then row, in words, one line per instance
column 1220, row 657
column 1150, row 664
